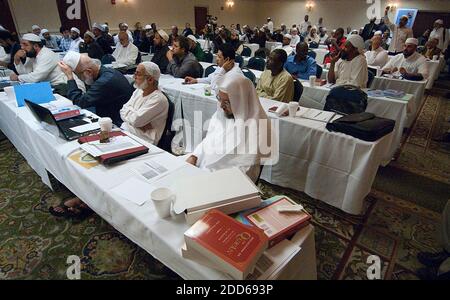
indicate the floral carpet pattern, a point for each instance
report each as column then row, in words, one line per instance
column 35, row 245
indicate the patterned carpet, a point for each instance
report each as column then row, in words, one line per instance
column 34, row 245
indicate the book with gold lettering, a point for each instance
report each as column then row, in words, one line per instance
column 233, row 246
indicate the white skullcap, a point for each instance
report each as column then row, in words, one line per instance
column 148, row 27
column 163, row 35
column 34, row 27
column 31, row 37
column 89, row 33
column 192, row 38
column 288, row 36
column 439, row 21
column 357, row 41
column 152, row 69
column 72, row 59
column 44, row 31
column 379, row 32
column 98, row 26
column 74, row 29
column 412, row 41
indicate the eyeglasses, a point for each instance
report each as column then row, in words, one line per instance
column 225, row 103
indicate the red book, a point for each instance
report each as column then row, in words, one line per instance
column 278, row 226
column 229, row 243
column 113, row 158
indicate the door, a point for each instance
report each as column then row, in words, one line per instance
column 72, row 13
column 201, row 17
column 6, row 19
column 425, row 20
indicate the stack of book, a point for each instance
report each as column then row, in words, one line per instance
column 229, row 191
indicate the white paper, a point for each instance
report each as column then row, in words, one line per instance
column 154, row 169
column 117, row 144
column 86, row 128
column 134, row 190
column 316, row 115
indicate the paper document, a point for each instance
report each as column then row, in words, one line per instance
column 86, row 128
column 154, row 169
column 117, row 144
column 316, row 115
column 134, row 190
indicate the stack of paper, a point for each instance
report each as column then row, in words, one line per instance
column 316, row 115
column 117, row 144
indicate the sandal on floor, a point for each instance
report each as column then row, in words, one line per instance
column 65, row 214
column 81, row 214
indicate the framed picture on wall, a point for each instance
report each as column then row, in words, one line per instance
column 410, row 12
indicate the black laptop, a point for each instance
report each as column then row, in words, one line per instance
column 63, row 128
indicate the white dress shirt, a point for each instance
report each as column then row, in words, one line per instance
column 4, row 57
column 126, row 56
column 75, row 45
column 416, row 63
column 295, row 40
column 378, row 57
column 304, row 27
column 399, row 36
column 142, row 111
column 270, row 26
column 352, row 72
column 218, row 75
column 130, row 37
column 443, row 38
column 288, row 49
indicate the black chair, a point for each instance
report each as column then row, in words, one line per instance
column 239, row 60
column 262, row 52
column 208, row 57
column 313, row 45
column 211, row 69
column 298, row 91
column 346, row 100
column 165, row 143
column 257, row 63
column 319, row 72
column 247, row 52
column 312, row 54
column 371, row 78
column 249, row 74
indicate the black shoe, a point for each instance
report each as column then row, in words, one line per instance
column 432, row 260
column 428, row 274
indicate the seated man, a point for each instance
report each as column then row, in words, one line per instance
column 349, row 66
column 102, row 38
column 76, row 39
column 195, row 47
column 301, row 65
column 183, row 63
column 431, row 49
column 109, row 89
column 91, row 47
column 287, row 38
column 66, row 39
column 275, row 82
column 377, row 57
column 126, row 53
column 11, row 47
column 161, row 48
column 240, row 115
column 227, row 66
column 41, row 64
column 145, row 115
column 295, row 37
column 410, row 64
column 51, row 41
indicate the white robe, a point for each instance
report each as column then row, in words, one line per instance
column 141, row 111
column 295, row 40
column 218, row 75
column 75, row 45
column 416, row 63
column 377, row 58
column 4, row 57
column 126, row 56
column 130, row 37
column 352, row 72
column 439, row 34
column 399, row 36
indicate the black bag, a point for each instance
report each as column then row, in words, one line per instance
column 346, row 100
column 364, row 126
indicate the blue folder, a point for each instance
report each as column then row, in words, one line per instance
column 39, row 93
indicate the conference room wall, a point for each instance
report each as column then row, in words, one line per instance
column 26, row 13
column 336, row 13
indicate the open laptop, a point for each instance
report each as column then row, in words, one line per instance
column 63, row 127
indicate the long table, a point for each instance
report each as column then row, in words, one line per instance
column 162, row 238
column 332, row 167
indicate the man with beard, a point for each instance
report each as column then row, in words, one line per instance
column 102, row 38
column 286, row 44
column 161, row 49
column 377, row 56
column 145, row 115
column 50, row 41
column 187, row 31
column 148, row 35
column 335, row 44
column 91, row 47
column 369, row 29
column 183, row 63
column 173, row 35
column 126, row 52
column 410, row 64
column 11, row 46
column 400, row 33
column 349, row 66
column 109, row 89
column 195, row 48
column 441, row 34
column 123, row 27
column 66, row 39
column 76, row 39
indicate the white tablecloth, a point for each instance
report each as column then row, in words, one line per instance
column 435, row 68
column 205, row 44
column 253, row 47
column 163, row 239
column 335, row 168
column 273, row 45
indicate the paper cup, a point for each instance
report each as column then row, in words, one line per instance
column 293, row 108
column 162, row 200
column 379, row 72
column 106, row 125
column 312, row 81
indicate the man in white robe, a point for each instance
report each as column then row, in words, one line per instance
column 76, row 39
column 440, row 33
column 145, row 115
column 400, row 33
column 349, row 66
column 126, row 52
column 123, row 27
column 226, row 67
column 239, row 135
column 377, row 56
column 286, row 45
column 295, row 38
column 410, row 64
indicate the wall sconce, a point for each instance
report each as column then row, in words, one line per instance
column 309, row 6
column 229, row 3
